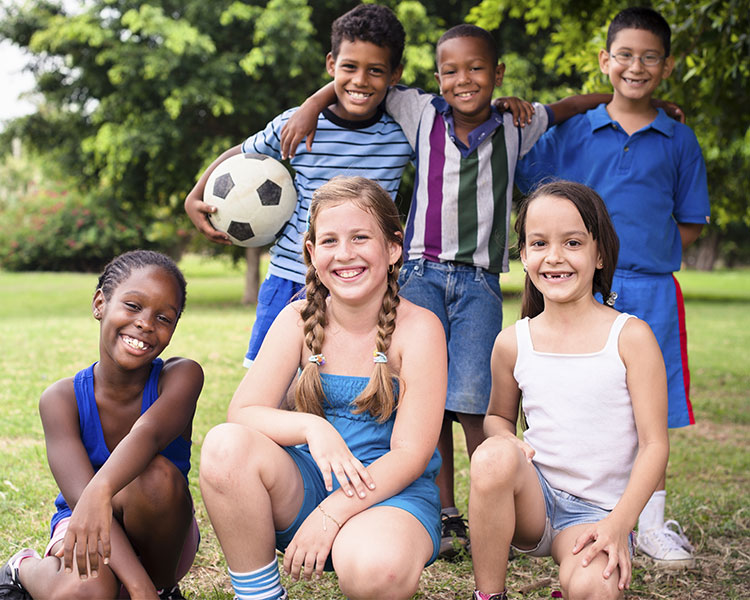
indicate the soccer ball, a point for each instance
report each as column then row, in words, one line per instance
column 255, row 197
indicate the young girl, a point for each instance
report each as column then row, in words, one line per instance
column 595, row 400
column 118, row 444
column 348, row 480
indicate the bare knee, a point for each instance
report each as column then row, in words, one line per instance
column 226, row 451
column 494, row 464
column 589, row 584
column 160, row 487
column 70, row 587
column 386, row 577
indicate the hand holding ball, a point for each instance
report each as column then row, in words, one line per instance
column 254, row 196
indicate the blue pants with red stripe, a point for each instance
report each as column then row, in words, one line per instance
column 657, row 300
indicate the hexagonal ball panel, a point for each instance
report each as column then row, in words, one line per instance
column 269, row 193
column 223, row 185
column 240, row 231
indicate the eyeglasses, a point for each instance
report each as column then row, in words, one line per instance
column 628, row 58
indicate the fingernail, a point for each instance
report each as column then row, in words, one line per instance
column 361, row 494
column 349, row 493
column 106, row 561
column 372, row 486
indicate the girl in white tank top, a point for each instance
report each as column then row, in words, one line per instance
column 594, row 393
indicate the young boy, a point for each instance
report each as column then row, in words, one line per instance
column 456, row 230
column 356, row 138
column 650, row 172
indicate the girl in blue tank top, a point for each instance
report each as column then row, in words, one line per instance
column 347, row 480
column 118, row 438
column 594, row 394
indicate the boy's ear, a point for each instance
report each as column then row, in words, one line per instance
column 437, row 78
column 396, row 74
column 499, row 74
column 604, row 61
column 330, row 64
column 668, row 66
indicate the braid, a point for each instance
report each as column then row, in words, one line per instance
column 309, row 394
column 377, row 397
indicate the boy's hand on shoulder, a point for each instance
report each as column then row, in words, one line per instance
column 521, row 110
column 672, row 109
column 302, row 124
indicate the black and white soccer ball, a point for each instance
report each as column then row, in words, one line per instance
column 255, row 197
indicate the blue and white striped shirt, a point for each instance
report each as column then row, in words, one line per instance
column 375, row 148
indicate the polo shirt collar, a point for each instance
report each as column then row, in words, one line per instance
column 478, row 135
column 599, row 117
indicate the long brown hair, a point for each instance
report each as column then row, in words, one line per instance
column 595, row 218
column 377, row 397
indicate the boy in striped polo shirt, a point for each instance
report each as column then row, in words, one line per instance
column 456, row 231
column 356, row 137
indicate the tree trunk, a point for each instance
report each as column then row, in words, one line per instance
column 707, row 252
column 252, row 275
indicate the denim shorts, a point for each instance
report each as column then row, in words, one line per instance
column 564, row 510
column 274, row 294
column 468, row 302
column 420, row 499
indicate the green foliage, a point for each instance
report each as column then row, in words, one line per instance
column 711, row 79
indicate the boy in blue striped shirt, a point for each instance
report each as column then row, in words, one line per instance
column 356, row 137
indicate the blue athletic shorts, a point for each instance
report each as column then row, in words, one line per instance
column 420, row 499
column 468, row 302
column 657, row 300
column 274, row 294
column 564, row 510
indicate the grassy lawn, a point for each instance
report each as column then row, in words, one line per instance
column 47, row 332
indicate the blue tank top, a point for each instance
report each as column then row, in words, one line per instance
column 92, row 435
column 367, row 439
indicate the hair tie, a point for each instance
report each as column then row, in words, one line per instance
column 318, row 359
column 379, row 357
column 610, row 301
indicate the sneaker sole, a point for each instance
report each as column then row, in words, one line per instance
column 670, row 565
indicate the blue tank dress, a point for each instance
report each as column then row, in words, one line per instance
column 92, row 434
column 368, row 440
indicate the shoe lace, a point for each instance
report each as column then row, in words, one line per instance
column 674, row 531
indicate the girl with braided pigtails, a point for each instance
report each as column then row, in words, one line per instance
column 347, row 481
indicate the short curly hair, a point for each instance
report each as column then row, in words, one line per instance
column 639, row 17
column 370, row 23
column 468, row 30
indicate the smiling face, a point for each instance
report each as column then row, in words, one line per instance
column 635, row 82
column 350, row 253
column 139, row 317
column 361, row 74
column 468, row 75
column 559, row 254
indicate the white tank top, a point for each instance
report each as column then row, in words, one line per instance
column 580, row 417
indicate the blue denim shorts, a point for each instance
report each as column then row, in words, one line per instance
column 469, row 304
column 274, row 294
column 564, row 510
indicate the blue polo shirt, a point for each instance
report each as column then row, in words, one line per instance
column 650, row 181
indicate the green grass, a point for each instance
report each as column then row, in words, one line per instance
column 47, row 332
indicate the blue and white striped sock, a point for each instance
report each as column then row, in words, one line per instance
column 262, row 584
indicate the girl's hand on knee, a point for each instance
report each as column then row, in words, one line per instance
column 88, row 534
column 605, row 536
column 334, row 458
column 308, row 551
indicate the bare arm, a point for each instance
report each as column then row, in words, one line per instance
column 72, row 470
column 689, row 232
column 170, row 416
column 303, row 122
column 198, row 210
column 574, row 105
column 647, row 384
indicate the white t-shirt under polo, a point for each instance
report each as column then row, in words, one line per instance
column 580, row 417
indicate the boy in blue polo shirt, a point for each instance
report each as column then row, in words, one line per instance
column 356, row 138
column 650, row 172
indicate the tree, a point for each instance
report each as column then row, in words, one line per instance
column 711, row 81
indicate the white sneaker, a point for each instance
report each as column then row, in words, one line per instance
column 668, row 547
